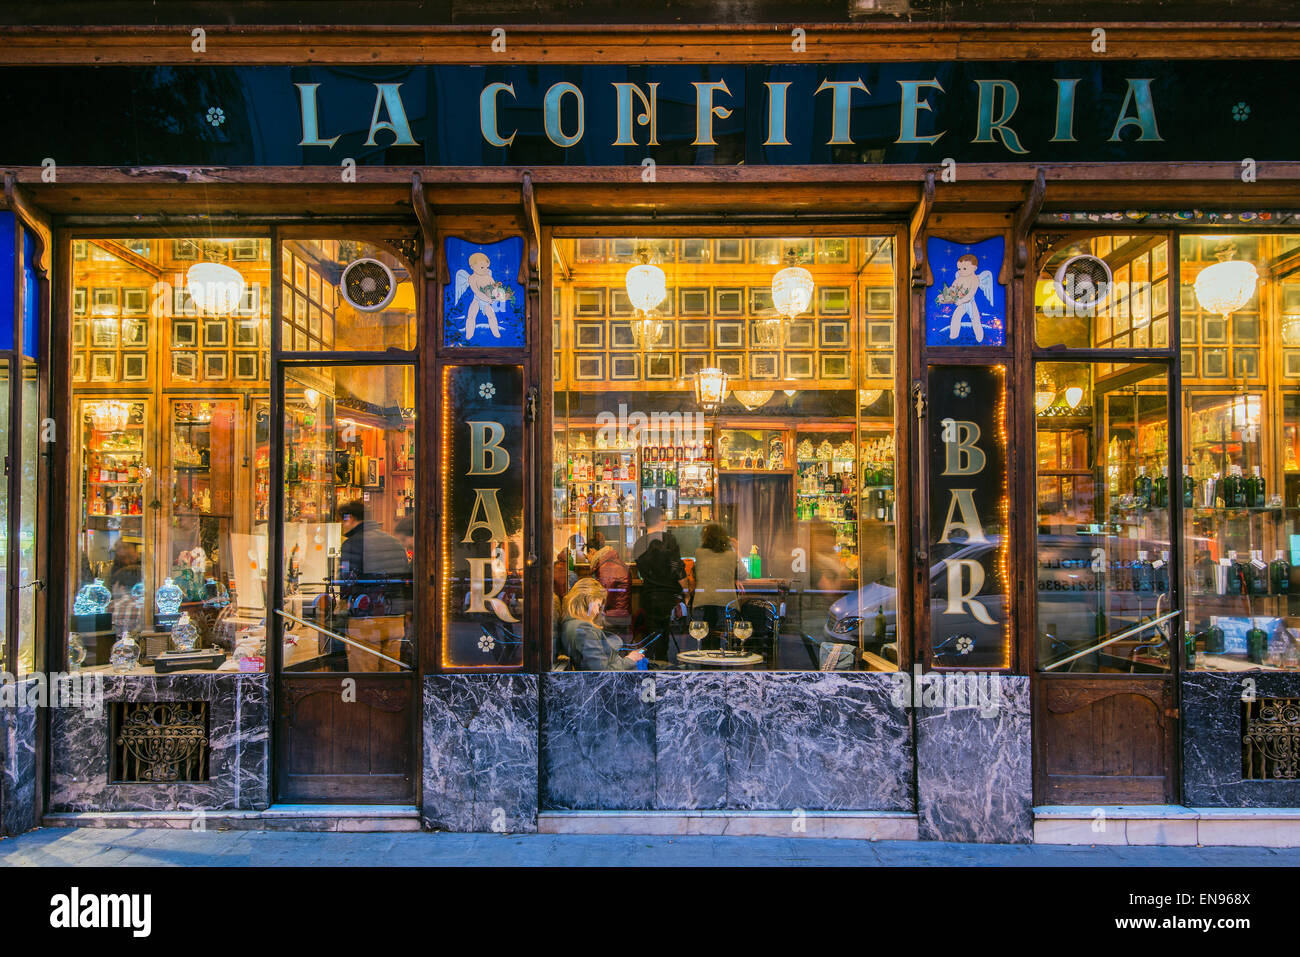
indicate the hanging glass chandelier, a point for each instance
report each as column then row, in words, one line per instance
column 710, row 389
column 109, row 416
column 792, row 287
column 647, row 287
column 1227, row 285
column 767, row 332
column 751, row 399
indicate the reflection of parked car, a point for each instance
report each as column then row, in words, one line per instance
column 856, row 612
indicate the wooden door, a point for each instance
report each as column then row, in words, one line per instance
column 347, row 699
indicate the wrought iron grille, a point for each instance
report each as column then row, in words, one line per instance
column 1270, row 739
column 158, row 742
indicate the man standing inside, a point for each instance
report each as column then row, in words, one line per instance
column 663, row 579
column 374, row 575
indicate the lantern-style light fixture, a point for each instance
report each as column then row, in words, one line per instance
column 1044, row 392
column 1073, row 396
column 109, row 416
column 647, row 286
column 751, row 399
column 869, row 397
column 792, row 287
column 710, row 389
column 215, row 287
column 1227, row 285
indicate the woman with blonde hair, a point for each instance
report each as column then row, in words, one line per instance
column 587, row 644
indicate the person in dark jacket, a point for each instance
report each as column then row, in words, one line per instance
column 663, row 579
column 374, row 572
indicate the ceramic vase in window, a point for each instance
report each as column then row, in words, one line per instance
column 185, row 636
column 169, row 597
column 125, row 654
column 92, row 599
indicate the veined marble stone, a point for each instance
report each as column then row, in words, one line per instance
column 480, row 752
column 974, row 769
column 1212, row 740
column 18, row 810
column 598, row 740
column 707, row 740
column 238, row 733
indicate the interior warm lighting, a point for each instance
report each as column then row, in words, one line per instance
column 646, row 284
column 1073, row 396
column 312, row 397
column 1291, row 330
column 790, row 393
column 792, row 288
column 869, row 397
column 109, row 416
column 710, row 388
column 215, row 287
column 751, row 399
column 1226, row 286
column 647, row 329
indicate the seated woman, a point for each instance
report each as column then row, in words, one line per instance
column 717, row 574
column 587, row 644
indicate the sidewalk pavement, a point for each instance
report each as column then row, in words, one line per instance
column 154, row 847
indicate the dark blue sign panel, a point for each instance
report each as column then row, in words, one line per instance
column 521, row 115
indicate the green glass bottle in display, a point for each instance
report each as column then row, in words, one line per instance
column 1142, row 488
column 1160, row 489
column 1189, row 641
column 880, row 624
column 1256, row 495
column 1189, row 488
column 1256, row 645
column 1279, row 574
column 1213, row 640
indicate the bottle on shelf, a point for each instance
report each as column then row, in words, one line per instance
column 1256, row 496
column 1256, row 644
column 1214, row 639
column 1279, row 574
column 1189, row 488
column 1189, row 649
column 1257, row 573
column 1160, row 489
column 1142, row 488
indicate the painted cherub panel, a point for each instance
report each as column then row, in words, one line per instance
column 483, row 305
column 966, row 305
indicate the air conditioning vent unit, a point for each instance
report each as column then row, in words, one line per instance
column 367, row 285
column 1083, row 283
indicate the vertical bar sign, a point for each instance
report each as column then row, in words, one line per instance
column 480, row 575
column 969, row 602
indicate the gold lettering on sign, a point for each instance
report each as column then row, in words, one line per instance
column 485, row 500
column 487, row 457
column 649, row 116
column 480, row 599
column 961, row 455
column 958, row 598
column 963, row 502
column 705, row 111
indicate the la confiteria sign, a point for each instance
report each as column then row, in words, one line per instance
column 636, row 121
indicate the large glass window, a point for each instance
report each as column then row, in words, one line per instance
column 169, row 367
column 723, row 473
column 1240, row 298
column 1103, row 549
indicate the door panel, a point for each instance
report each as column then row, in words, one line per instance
column 1104, row 740
column 338, row 749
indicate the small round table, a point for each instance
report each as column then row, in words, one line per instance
column 714, row 659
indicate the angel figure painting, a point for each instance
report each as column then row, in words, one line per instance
column 483, row 306
column 967, row 305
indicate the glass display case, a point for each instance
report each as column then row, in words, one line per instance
column 826, row 490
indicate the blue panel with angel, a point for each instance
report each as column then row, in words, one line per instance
column 483, row 305
column 966, row 305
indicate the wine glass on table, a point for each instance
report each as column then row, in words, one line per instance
column 742, row 629
column 699, row 628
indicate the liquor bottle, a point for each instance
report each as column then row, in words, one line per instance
column 1279, row 574
column 1189, row 488
column 1238, row 576
column 880, row 625
column 1189, row 645
column 1214, row 639
column 1160, row 489
column 1257, row 573
column 1143, row 574
column 1161, row 569
column 1232, row 490
column 1256, row 644
column 1142, row 488
column 1256, row 496
column 291, row 474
